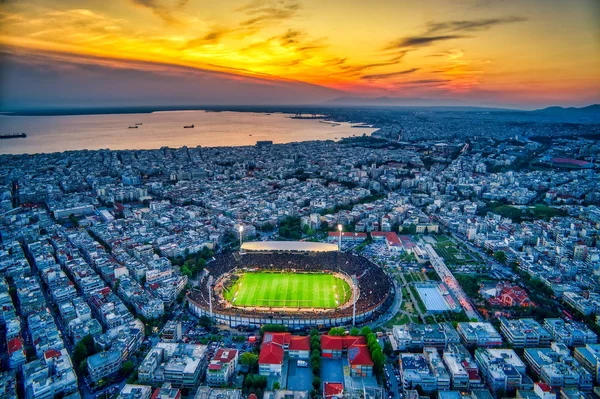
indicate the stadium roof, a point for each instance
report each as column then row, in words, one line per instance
column 289, row 246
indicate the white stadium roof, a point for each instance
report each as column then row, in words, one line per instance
column 289, row 246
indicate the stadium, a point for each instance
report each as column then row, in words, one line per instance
column 299, row 284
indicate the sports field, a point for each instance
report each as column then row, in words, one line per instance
column 289, row 290
column 452, row 253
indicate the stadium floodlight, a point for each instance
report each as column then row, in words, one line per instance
column 340, row 228
column 241, row 230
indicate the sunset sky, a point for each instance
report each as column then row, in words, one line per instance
column 521, row 53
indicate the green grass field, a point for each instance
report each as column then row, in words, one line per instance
column 451, row 253
column 290, row 290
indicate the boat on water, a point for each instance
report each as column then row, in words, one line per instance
column 333, row 124
column 133, row 127
column 13, row 136
column 188, row 127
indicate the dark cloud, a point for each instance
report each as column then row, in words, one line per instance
column 296, row 40
column 448, row 30
column 425, row 82
column 212, row 37
column 291, row 37
column 262, row 12
column 389, row 74
column 364, row 67
column 420, row 41
column 163, row 8
column 335, row 61
column 471, row 26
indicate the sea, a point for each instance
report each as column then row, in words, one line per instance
column 46, row 134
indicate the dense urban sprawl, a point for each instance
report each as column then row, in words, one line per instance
column 492, row 244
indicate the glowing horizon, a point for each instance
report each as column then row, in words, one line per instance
column 522, row 53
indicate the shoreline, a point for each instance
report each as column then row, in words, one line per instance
column 72, row 133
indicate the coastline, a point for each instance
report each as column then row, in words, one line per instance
column 158, row 129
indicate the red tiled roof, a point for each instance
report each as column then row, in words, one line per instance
column 14, row 345
column 333, row 389
column 390, row 236
column 544, row 387
column 271, row 353
column 350, row 340
column 225, row 355
column 359, row 355
column 215, row 365
column 278, row 338
column 332, row 342
column 300, row 343
column 50, row 353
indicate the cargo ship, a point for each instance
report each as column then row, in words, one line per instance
column 13, row 136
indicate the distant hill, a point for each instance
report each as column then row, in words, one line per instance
column 590, row 110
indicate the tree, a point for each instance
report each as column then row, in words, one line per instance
column 205, row 322
column 186, row 272
column 337, row 331
column 80, row 353
column 365, row 331
column 249, row 359
column 249, row 381
column 316, row 383
column 83, row 369
column 273, row 328
column 355, row 332
column 315, row 354
column 276, row 385
column 500, row 256
column 315, row 343
column 74, row 220
column 387, row 348
column 127, row 367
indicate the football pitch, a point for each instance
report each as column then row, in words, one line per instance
column 289, row 290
